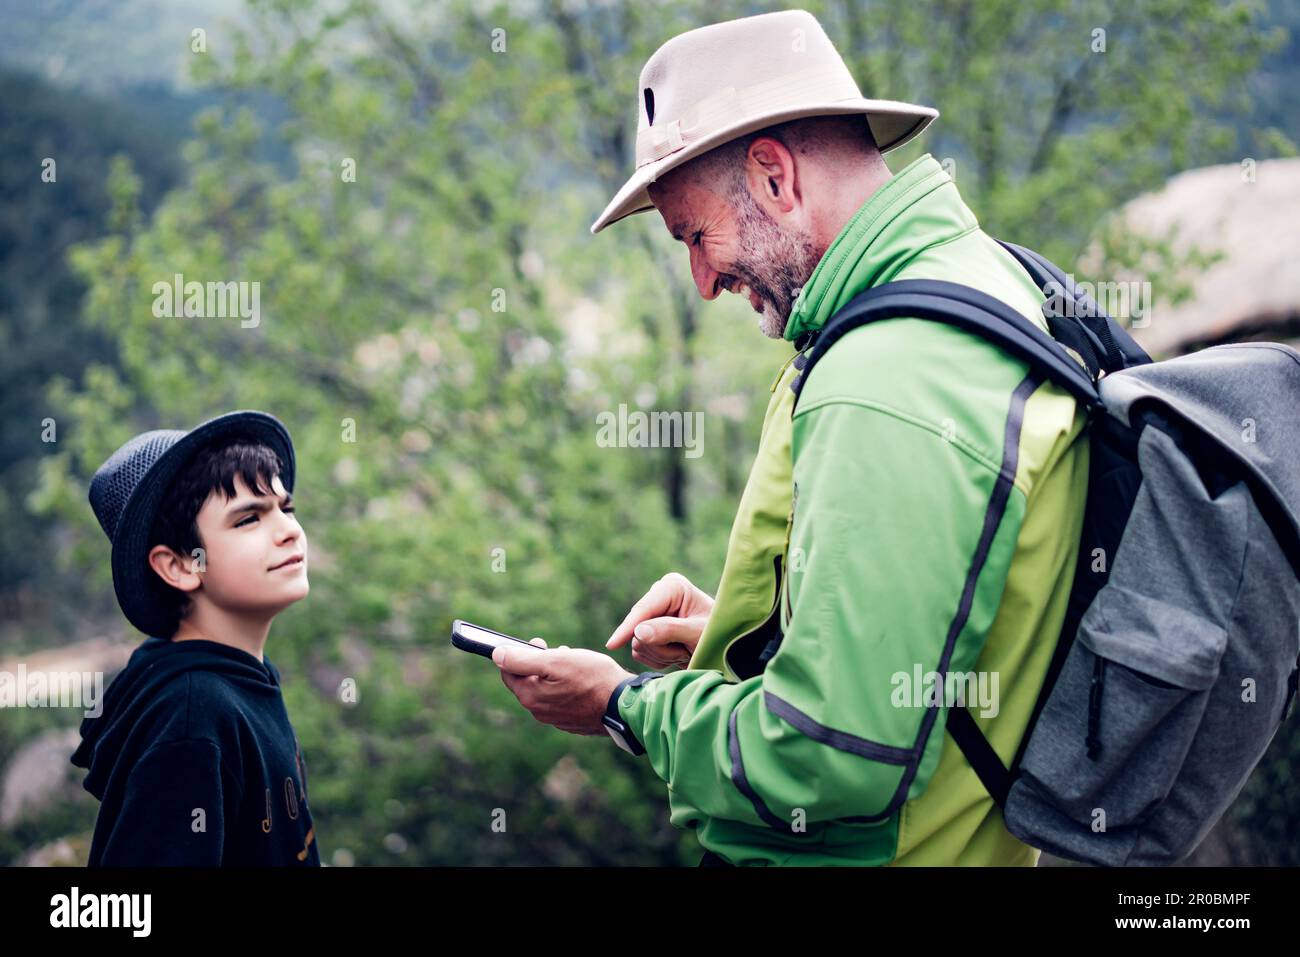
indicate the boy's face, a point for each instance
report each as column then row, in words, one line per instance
column 256, row 552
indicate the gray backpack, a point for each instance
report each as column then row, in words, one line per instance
column 1179, row 655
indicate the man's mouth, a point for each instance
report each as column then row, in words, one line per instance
column 295, row 560
column 754, row 300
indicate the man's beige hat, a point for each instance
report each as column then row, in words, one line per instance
column 708, row 86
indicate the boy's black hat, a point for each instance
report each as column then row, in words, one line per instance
column 126, row 491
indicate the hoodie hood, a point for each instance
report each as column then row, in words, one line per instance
column 134, row 703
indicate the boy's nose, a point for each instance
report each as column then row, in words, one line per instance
column 287, row 529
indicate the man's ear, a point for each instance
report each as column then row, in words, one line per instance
column 183, row 574
column 771, row 176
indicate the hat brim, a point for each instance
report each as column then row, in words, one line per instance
column 137, row 586
column 892, row 124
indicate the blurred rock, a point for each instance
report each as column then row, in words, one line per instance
column 72, row 851
column 566, row 781
column 38, row 774
column 1246, row 211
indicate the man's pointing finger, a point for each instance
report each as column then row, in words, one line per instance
column 661, row 598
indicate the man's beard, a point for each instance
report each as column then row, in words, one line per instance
column 777, row 263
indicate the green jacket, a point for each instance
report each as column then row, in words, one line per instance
column 919, row 512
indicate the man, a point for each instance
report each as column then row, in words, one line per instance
column 915, row 516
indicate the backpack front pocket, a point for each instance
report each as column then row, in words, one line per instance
column 1126, row 709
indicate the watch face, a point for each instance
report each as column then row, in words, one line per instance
column 618, row 738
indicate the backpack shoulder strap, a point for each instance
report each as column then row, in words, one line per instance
column 966, row 308
column 1084, row 327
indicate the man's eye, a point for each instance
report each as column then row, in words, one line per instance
column 244, row 521
column 287, row 508
column 695, row 240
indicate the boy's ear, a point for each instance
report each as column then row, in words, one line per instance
column 183, row 574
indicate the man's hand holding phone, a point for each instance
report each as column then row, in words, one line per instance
column 665, row 625
column 568, row 688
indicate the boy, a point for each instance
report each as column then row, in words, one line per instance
column 193, row 759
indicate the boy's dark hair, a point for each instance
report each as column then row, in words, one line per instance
column 214, row 466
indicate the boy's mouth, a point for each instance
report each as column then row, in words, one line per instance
column 294, row 560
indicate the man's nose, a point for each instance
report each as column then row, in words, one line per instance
column 705, row 276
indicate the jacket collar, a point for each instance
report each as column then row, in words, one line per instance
column 916, row 208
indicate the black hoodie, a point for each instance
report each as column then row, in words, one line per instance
column 195, row 763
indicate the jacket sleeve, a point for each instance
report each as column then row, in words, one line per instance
column 901, row 540
column 173, row 813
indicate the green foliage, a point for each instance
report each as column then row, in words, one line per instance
column 45, row 209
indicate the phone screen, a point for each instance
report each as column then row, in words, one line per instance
column 484, row 636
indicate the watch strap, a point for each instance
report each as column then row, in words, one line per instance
column 614, row 721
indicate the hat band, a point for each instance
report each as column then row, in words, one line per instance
column 826, row 82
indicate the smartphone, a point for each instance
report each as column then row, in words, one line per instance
column 480, row 641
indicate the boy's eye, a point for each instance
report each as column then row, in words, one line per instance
column 696, row 238
column 244, row 521
column 287, row 508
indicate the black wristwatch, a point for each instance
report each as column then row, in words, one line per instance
column 614, row 724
